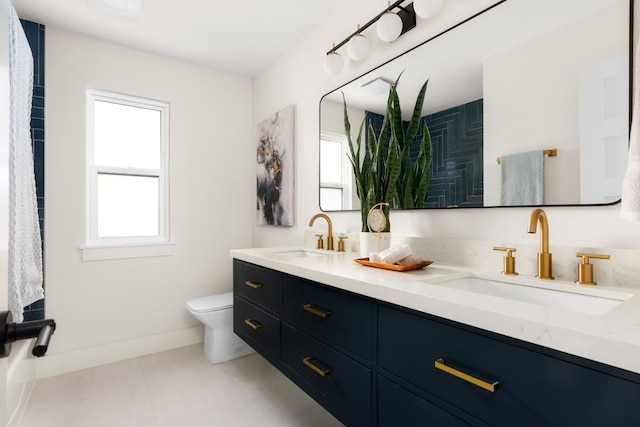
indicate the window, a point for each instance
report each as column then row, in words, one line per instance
column 335, row 173
column 127, row 170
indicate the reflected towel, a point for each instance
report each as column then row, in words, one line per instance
column 630, row 208
column 25, row 245
column 523, row 179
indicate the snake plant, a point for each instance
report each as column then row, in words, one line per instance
column 386, row 173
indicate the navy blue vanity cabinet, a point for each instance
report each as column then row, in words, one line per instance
column 257, row 328
column 530, row 386
column 257, row 307
column 319, row 337
column 372, row 363
column 344, row 320
column 327, row 344
column 398, row 406
column 339, row 383
column 260, row 285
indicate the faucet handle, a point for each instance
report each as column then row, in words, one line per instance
column 341, row 239
column 585, row 269
column 509, row 261
column 320, row 241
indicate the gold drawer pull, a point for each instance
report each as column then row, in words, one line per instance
column 473, row 380
column 317, row 311
column 253, row 323
column 252, row 284
column 316, row 369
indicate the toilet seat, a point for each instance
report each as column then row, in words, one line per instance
column 211, row 303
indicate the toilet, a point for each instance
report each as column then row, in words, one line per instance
column 216, row 313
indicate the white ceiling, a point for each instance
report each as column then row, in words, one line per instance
column 241, row 37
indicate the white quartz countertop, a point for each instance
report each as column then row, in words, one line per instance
column 612, row 338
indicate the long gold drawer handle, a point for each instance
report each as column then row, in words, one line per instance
column 316, row 311
column 319, row 371
column 252, row 284
column 253, row 323
column 473, row 380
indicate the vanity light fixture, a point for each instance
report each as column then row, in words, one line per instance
column 425, row 9
column 389, row 26
column 358, row 47
column 391, row 23
column 333, row 62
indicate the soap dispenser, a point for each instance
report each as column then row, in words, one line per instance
column 585, row 269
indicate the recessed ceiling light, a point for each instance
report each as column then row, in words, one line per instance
column 131, row 9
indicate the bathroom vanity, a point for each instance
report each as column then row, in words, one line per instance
column 384, row 348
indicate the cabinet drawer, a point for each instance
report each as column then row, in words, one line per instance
column 534, row 389
column 343, row 381
column 343, row 319
column 399, row 407
column 260, row 285
column 258, row 328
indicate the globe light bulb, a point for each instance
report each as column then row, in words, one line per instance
column 358, row 47
column 427, row 8
column 333, row 63
column 389, row 27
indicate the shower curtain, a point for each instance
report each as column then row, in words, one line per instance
column 25, row 245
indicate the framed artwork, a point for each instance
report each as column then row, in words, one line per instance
column 275, row 168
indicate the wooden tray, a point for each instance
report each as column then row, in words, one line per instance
column 394, row 267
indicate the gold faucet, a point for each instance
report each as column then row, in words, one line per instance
column 330, row 232
column 544, row 257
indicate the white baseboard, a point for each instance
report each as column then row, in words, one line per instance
column 57, row 364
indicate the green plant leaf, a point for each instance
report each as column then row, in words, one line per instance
column 422, row 171
column 386, row 173
column 414, row 124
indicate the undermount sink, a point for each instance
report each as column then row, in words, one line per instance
column 300, row 253
column 566, row 297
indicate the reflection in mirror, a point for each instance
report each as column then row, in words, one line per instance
column 520, row 78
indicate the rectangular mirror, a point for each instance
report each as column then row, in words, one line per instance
column 521, row 76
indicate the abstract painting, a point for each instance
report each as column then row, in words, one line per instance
column 274, row 168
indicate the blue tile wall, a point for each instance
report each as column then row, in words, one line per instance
column 457, row 166
column 35, row 36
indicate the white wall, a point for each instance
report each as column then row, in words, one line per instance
column 298, row 78
column 518, row 117
column 110, row 310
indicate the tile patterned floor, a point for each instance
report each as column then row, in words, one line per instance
column 173, row 389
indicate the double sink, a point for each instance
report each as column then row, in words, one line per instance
column 550, row 294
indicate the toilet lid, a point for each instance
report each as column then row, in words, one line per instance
column 211, row 303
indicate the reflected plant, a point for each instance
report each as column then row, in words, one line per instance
column 386, row 173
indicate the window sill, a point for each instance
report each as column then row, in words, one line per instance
column 100, row 253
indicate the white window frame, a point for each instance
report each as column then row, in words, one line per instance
column 133, row 246
column 347, row 184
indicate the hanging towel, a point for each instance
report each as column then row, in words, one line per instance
column 25, row 245
column 630, row 208
column 523, row 179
